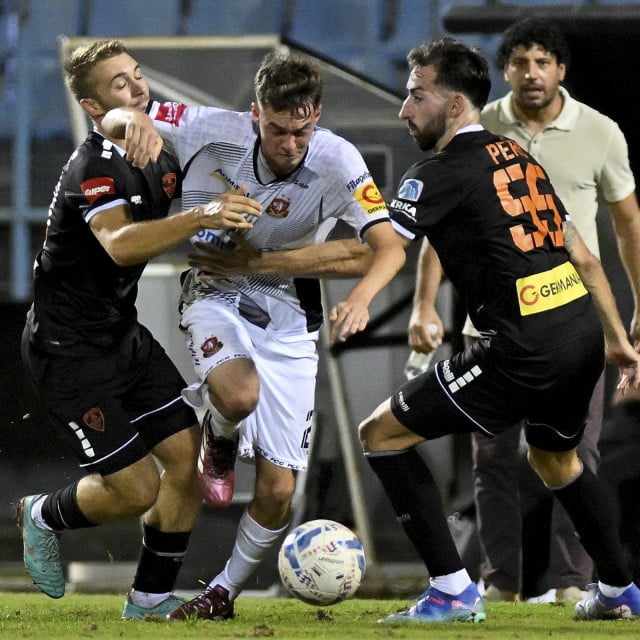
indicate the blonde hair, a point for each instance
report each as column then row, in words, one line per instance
column 81, row 61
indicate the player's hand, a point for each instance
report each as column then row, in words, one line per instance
column 426, row 335
column 628, row 361
column 142, row 142
column 229, row 210
column 224, row 264
column 629, row 378
column 347, row 318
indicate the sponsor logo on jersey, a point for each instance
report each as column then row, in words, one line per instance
column 370, row 198
column 169, row 181
column 279, row 208
column 410, row 189
column 402, row 402
column 170, row 112
column 95, row 188
column 358, row 181
column 549, row 289
column 94, row 419
column 404, row 207
column 136, row 199
column 446, row 370
column 218, row 174
column 211, row 346
column 219, row 238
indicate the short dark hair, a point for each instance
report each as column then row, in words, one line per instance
column 80, row 63
column 458, row 67
column 529, row 32
column 288, row 82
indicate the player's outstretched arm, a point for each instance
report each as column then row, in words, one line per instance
column 618, row 349
column 346, row 258
column 625, row 216
column 352, row 314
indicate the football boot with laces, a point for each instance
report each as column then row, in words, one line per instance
column 597, row 606
column 212, row 604
column 436, row 606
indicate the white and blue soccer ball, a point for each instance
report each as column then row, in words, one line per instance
column 321, row 562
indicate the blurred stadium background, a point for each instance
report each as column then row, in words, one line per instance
column 206, row 51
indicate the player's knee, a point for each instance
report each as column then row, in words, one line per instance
column 141, row 503
column 275, row 497
column 236, row 403
column 368, row 435
column 138, row 499
column 181, row 452
column 554, row 468
column 241, row 404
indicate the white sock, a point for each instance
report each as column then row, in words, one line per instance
column 612, row 592
column 36, row 514
column 147, row 600
column 253, row 543
column 220, row 426
column 452, row 583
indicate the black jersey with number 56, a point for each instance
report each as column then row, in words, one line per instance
column 492, row 215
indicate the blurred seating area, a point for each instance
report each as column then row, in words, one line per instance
column 369, row 38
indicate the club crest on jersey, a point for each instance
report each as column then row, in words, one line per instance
column 169, row 184
column 410, row 189
column 94, row 419
column 279, row 208
column 211, row 346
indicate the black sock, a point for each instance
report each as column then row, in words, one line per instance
column 60, row 510
column 416, row 501
column 592, row 512
column 160, row 560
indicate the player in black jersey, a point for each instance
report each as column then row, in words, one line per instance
column 104, row 380
column 535, row 292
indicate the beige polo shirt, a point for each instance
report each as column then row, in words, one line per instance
column 582, row 151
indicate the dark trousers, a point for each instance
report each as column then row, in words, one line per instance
column 620, row 448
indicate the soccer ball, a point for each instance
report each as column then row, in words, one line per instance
column 321, row 562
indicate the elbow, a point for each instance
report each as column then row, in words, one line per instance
column 114, row 123
column 590, row 263
column 124, row 261
column 121, row 257
column 588, row 269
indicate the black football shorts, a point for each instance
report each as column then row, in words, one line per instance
column 482, row 389
column 115, row 407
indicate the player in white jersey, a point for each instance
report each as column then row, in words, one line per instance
column 254, row 338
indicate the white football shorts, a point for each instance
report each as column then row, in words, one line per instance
column 280, row 427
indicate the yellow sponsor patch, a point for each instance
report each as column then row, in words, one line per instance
column 370, row 198
column 549, row 289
